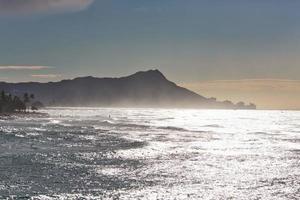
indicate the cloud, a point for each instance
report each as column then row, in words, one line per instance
column 46, row 76
column 17, row 7
column 3, row 78
column 24, row 67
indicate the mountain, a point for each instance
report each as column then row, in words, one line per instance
column 142, row 89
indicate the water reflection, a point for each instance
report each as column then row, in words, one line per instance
column 151, row 154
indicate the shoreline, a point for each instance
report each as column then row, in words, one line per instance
column 7, row 116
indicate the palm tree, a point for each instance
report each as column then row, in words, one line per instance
column 2, row 95
column 9, row 103
column 26, row 100
column 19, row 105
column 32, row 107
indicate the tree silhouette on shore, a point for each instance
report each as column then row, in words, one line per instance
column 9, row 103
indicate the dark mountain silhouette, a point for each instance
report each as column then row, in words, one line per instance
column 142, row 89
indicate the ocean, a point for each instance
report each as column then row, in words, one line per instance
column 123, row 153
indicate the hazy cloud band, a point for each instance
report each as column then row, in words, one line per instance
column 16, row 7
column 24, row 67
column 46, row 76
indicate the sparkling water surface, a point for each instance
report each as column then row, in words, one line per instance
column 97, row 153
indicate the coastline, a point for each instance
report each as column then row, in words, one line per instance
column 14, row 115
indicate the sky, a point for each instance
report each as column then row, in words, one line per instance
column 241, row 50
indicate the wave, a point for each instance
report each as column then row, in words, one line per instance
column 143, row 126
column 174, row 128
column 264, row 133
column 54, row 121
column 166, row 118
column 213, row 126
column 110, row 123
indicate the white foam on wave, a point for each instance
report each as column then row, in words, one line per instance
column 54, row 121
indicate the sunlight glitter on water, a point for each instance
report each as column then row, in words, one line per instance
column 95, row 153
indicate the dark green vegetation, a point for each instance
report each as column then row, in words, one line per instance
column 10, row 103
